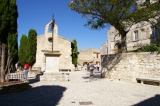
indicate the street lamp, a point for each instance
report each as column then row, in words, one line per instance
column 52, row 28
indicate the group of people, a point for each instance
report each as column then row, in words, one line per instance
column 25, row 69
column 91, row 67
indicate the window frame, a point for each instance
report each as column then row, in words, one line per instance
column 136, row 35
column 153, row 31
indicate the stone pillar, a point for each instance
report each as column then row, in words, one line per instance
column 52, row 62
column 52, row 66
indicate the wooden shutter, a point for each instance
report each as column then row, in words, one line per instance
column 139, row 34
column 148, row 32
column 132, row 35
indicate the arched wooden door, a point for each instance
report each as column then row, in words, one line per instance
column 117, row 48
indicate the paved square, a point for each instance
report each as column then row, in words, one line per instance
column 83, row 89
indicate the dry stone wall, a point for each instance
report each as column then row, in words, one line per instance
column 128, row 66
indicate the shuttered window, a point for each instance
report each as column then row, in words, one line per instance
column 154, row 31
column 136, row 34
column 132, row 36
column 148, row 32
column 139, row 34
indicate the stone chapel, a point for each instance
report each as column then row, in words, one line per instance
column 60, row 45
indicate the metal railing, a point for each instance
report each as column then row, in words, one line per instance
column 14, row 77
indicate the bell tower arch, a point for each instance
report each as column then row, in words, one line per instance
column 49, row 39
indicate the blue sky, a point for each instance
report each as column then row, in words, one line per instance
column 36, row 14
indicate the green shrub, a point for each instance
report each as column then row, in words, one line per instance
column 149, row 48
column 153, row 47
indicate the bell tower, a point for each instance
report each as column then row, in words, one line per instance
column 51, row 36
column 51, row 53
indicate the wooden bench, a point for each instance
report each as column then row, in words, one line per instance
column 143, row 80
column 65, row 70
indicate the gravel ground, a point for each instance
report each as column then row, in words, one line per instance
column 83, row 90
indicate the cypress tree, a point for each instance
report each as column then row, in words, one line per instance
column 74, row 53
column 31, row 47
column 8, row 36
column 12, row 36
column 22, row 49
column 3, row 36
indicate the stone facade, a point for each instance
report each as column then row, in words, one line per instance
column 60, row 44
column 139, row 35
column 88, row 55
column 128, row 66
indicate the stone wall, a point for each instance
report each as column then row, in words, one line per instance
column 40, row 58
column 88, row 55
column 65, row 50
column 85, row 56
column 128, row 66
column 103, row 49
column 14, row 88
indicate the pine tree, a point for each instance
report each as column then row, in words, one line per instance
column 31, row 47
column 23, row 49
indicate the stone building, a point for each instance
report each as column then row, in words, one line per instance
column 135, row 38
column 130, row 66
column 139, row 35
column 88, row 55
column 60, row 45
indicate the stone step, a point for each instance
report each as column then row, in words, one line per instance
column 54, row 77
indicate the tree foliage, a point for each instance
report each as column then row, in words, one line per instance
column 153, row 47
column 74, row 53
column 121, row 14
column 12, row 38
column 28, row 48
column 8, row 37
column 31, row 47
column 23, row 49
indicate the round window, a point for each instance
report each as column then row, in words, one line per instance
column 50, row 39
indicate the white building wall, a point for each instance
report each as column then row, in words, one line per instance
column 59, row 44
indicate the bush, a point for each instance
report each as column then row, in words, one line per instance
column 153, row 47
column 149, row 48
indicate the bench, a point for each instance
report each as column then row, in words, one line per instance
column 143, row 80
column 65, row 70
column 16, row 76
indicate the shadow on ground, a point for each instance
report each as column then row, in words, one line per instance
column 153, row 101
column 38, row 96
column 33, row 79
column 96, row 76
